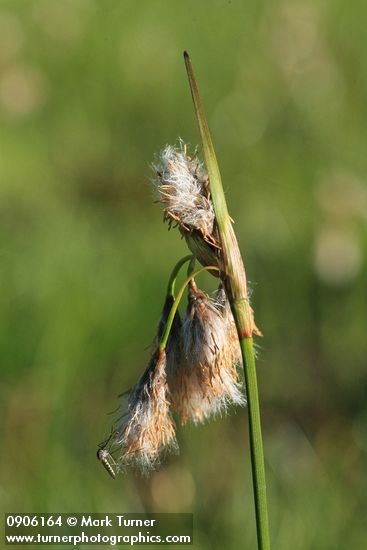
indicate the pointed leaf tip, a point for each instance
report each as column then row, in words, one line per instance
column 217, row 193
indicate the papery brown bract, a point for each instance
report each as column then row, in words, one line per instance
column 222, row 303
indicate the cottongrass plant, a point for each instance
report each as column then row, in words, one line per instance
column 193, row 369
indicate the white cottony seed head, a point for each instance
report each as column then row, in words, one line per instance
column 183, row 188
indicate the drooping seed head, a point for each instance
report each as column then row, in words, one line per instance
column 146, row 427
column 205, row 382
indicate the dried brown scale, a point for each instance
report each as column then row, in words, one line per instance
column 224, row 307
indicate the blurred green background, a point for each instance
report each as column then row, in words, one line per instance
column 90, row 91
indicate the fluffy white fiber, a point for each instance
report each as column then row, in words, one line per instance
column 205, row 382
column 183, row 188
column 146, row 428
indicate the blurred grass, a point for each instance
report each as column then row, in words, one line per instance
column 89, row 92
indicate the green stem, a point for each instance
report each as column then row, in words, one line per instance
column 191, row 265
column 176, row 303
column 234, row 279
column 175, row 270
column 256, row 445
